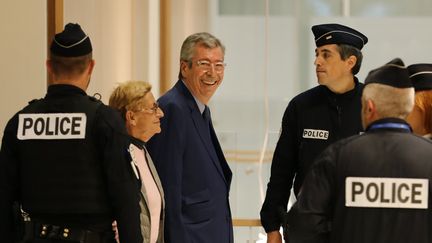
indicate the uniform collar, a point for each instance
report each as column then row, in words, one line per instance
column 347, row 94
column 389, row 124
column 61, row 90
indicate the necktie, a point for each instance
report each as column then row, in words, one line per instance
column 206, row 115
column 207, row 121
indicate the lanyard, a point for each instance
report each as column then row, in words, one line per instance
column 391, row 125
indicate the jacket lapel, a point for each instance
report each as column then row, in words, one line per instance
column 223, row 163
column 201, row 128
column 204, row 134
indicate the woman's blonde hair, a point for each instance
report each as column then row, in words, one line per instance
column 423, row 109
column 129, row 96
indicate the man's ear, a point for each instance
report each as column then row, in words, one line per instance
column 371, row 109
column 352, row 60
column 91, row 66
column 184, row 67
column 49, row 66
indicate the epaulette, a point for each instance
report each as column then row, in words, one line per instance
column 93, row 99
column 96, row 97
column 34, row 100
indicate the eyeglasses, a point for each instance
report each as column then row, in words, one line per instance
column 154, row 109
column 205, row 65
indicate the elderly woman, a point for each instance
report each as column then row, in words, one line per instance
column 141, row 113
column 420, row 118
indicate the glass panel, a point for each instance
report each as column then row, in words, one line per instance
column 255, row 7
column 250, row 178
column 391, row 8
column 321, row 7
column 280, row 7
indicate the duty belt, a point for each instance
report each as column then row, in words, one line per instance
column 55, row 232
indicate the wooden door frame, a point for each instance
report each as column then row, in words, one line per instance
column 54, row 22
column 165, row 46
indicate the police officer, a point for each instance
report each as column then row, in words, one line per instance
column 420, row 118
column 316, row 118
column 62, row 158
column 372, row 187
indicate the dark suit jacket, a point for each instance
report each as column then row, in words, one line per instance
column 194, row 173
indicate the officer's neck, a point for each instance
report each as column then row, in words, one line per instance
column 81, row 81
column 342, row 86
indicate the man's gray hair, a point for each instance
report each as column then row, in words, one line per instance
column 389, row 101
column 201, row 38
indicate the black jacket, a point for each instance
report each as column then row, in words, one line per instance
column 64, row 179
column 374, row 187
column 312, row 121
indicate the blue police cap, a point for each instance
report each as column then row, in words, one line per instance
column 71, row 42
column 394, row 74
column 421, row 76
column 338, row 34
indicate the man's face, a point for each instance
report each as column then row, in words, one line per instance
column 330, row 68
column 205, row 74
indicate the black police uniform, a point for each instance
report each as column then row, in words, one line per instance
column 393, row 204
column 63, row 159
column 312, row 121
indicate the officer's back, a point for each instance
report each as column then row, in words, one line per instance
column 62, row 158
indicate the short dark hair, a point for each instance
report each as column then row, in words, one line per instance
column 69, row 66
column 346, row 51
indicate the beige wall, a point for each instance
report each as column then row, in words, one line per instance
column 124, row 36
column 187, row 17
column 23, row 49
column 145, row 41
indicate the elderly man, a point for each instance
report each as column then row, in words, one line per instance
column 372, row 187
column 193, row 170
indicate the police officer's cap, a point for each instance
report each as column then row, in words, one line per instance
column 421, row 76
column 394, row 74
column 338, row 34
column 71, row 42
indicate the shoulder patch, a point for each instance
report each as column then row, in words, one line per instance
column 34, row 100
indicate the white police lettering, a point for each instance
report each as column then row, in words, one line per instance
column 315, row 134
column 52, row 126
column 377, row 192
